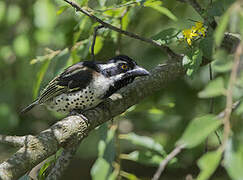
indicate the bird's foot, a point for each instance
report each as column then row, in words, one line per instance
column 77, row 112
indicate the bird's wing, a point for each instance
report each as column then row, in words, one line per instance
column 74, row 78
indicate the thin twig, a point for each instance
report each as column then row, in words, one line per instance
column 168, row 158
column 211, row 109
column 170, row 53
column 94, row 39
column 229, row 100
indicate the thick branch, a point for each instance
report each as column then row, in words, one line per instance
column 63, row 132
column 16, row 141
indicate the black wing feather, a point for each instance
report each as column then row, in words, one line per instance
column 74, row 78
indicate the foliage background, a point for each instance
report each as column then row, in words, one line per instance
column 27, row 28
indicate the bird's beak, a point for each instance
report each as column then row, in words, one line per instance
column 139, row 71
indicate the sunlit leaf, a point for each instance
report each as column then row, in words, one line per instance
column 198, row 130
column 98, row 45
column 208, row 164
column 214, row 88
column 62, row 9
column 128, row 176
column 144, row 141
column 192, row 61
column 39, row 78
column 101, row 169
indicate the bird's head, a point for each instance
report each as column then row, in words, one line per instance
column 122, row 67
column 122, row 70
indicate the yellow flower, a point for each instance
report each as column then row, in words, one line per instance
column 195, row 31
column 188, row 35
column 199, row 28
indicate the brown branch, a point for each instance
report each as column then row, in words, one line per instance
column 62, row 162
column 229, row 93
column 168, row 158
column 64, row 132
column 168, row 51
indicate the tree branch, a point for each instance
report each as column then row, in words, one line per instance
column 168, row 51
column 229, row 94
column 168, row 158
column 62, row 162
column 73, row 128
column 16, row 141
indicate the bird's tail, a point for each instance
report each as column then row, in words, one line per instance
column 29, row 107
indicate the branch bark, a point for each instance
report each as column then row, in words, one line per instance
column 73, row 129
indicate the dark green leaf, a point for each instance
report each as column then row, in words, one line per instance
column 166, row 36
column 214, row 88
column 223, row 61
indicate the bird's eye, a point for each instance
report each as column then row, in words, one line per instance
column 124, row 66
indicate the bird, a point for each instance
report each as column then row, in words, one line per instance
column 86, row 84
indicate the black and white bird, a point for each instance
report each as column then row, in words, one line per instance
column 84, row 85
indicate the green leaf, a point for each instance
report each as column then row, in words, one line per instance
column 214, row 88
column 62, row 9
column 162, row 10
column 102, row 168
column 221, row 28
column 21, row 45
column 144, row 141
column 223, row 61
column 233, row 161
column 125, row 21
column 13, row 14
column 98, row 45
column 42, row 172
column 198, row 130
column 144, row 157
column 128, row 176
column 208, row 164
column 166, row 36
column 2, row 10
column 192, row 61
column 39, row 78
column 206, row 45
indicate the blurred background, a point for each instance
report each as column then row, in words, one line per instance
column 39, row 38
